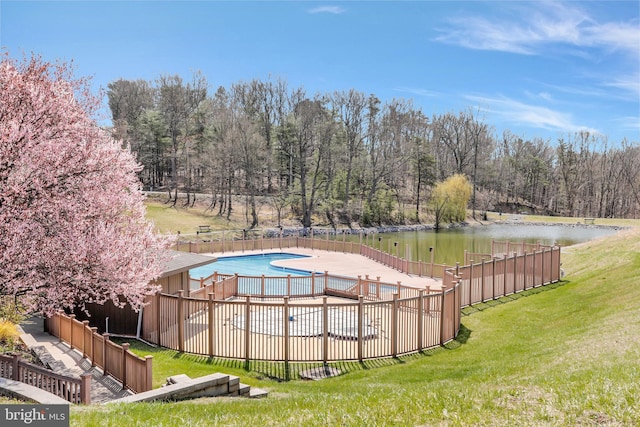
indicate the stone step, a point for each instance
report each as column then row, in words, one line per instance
column 181, row 387
column 257, row 393
column 244, row 390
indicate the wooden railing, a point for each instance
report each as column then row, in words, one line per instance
column 241, row 241
column 384, row 319
column 418, row 268
column 304, row 331
column 74, row 390
column 135, row 373
column 498, row 277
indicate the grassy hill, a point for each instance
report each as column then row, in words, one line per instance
column 565, row 355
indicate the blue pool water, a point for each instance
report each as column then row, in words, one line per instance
column 250, row 265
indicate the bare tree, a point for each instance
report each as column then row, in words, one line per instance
column 313, row 136
column 177, row 102
column 350, row 108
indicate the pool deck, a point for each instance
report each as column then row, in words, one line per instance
column 343, row 264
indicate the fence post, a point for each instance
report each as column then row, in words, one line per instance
column 211, row 307
column 157, row 314
column 286, row 338
column 542, row 268
column 551, row 262
column 524, row 270
column 288, row 284
column 470, row 281
column 313, row 283
column 442, row 309
column 325, row 329
column 326, row 280
column 15, row 367
column 180, row 321
column 420, row 318
column 85, row 388
column 85, row 327
column 360, row 326
column 533, row 269
column 359, row 284
column 94, row 331
column 247, row 329
column 148, row 368
column 105, row 368
column 482, row 280
column 71, row 319
column 125, row 347
column 394, row 326
column 262, row 290
column 504, row 273
column 515, row 271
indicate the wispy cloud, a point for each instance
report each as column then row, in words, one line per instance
column 630, row 123
column 532, row 29
column 519, row 113
column 628, row 83
column 546, row 96
column 417, row 91
column 336, row 10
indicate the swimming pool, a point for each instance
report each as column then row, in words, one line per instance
column 250, row 265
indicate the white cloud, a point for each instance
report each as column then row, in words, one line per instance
column 519, row 113
column 531, row 30
column 336, row 10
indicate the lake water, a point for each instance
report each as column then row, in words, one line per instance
column 449, row 244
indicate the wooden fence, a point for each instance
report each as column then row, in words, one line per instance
column 135, row 373
column 74, row 390
column 263, row 322
column 419, row 268
column 305, row 330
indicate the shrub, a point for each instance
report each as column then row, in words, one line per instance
column 8, row 334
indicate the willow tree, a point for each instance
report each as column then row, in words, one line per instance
column 449, row 200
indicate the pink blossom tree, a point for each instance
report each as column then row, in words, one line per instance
column 72, row 220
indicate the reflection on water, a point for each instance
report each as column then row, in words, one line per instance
column 449, row 244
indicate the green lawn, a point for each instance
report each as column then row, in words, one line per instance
column 566, row 355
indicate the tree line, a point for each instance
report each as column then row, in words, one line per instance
column 347, row 157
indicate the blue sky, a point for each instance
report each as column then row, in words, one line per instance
column 539, row 69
